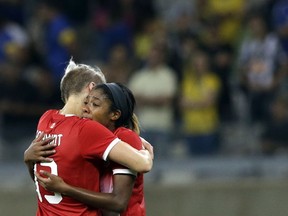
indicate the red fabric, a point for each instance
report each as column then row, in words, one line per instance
column 81, row 145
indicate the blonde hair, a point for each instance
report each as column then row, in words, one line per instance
column 77, row 77
column 135, row 124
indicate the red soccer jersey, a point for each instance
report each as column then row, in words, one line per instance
column 82, row 145
column 136, row 206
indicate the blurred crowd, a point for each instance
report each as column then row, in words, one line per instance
column 186, row 62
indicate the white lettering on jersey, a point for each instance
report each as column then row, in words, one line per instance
column 57, row 137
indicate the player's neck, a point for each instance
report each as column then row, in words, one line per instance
column 72, row 107
column 111, row 128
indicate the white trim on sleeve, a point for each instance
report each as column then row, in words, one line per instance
column 108, row 149
column 124, row 171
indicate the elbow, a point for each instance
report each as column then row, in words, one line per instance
column 119, row 209
column 120, row 206
column 146, row 167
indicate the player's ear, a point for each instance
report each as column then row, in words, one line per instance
column 91, row 85
column 115, row 115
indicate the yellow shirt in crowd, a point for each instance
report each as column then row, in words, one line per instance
column 200, row 120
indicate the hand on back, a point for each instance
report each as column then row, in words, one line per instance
column 40, row 150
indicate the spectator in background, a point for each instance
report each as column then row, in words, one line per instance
column 47, row 95
column 119, row 66
column 275, row 137
column 183, row 30
column 181, row 17
column 144, row 39
column 221, row 59
column 183, row 33
column 227, row 14
column 198, row 103
column 222, row 64
column 113, row 27
column 17, row 103
column 154, row 87
column 260, row 65
column 59, row 38
column 186, row 44
column 118, row 21
column 14, row 41
column 132, row 12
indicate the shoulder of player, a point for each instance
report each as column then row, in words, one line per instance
column 48, row 113
column 89, row 123
column 92, row 126
column 124, row 131
column 129, row 136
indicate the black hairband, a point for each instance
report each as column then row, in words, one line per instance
column 119, row 98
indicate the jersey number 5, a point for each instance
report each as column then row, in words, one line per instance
column 53, row 199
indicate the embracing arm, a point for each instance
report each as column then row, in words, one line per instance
column 138, row 160
column 38, row 151
column 122, row 189
column 116, row 201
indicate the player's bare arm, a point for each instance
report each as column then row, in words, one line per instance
column 116, row 201
column 138, row 160
column 123, row 187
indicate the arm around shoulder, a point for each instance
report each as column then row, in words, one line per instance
column 138, row 160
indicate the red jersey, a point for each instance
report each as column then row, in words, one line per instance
column 136, row 206
column 82, row 145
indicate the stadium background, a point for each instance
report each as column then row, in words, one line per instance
column 237, row 180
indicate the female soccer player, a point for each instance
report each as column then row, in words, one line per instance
column 112, row 105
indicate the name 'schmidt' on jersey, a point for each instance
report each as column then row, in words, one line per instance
column 57, row 137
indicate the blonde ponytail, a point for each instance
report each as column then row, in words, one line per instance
column 135, row 124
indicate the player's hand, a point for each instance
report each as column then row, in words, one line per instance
column 40, row 150
column 148, row 146
column 50, row 182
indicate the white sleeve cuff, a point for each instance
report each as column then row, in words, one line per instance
column 108, row 149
